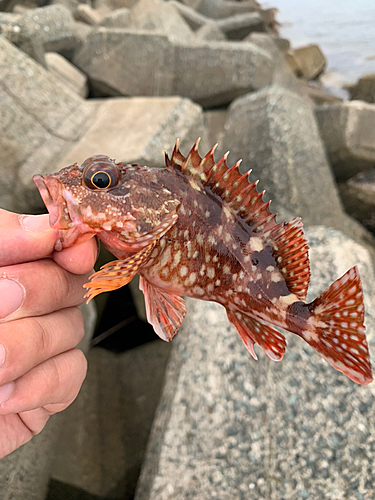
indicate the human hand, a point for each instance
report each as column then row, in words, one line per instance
column 41, row 372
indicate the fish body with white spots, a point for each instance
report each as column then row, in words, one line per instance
column 199, row 229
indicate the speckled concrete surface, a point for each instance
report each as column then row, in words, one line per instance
column 232, row 428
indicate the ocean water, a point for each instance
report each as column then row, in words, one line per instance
column 344, row 29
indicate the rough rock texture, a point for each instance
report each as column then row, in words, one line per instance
column 112, row 417
column 358, row 196
column 217, row 9
column 51, row 26
column 215, row 121
column 116, row 19
column 194, row 19
column 80, row 32
column 210, row 73
column 229, row 427
column 364, row 89
column 318, row 93
column 110, row 5
column 39, row 117
column 283, row 76
column 159, row 121
column 239, row 26
column 275, row 133
column 215, row 73
column 67, row 73
column 24, row 474
column 87, row 15
column 348, row 132
column 160, row 16
column 308, row 61
column 210, row 31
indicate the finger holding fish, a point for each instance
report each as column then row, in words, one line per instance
column 27, row 238
column 46, row 337
column 44, row 287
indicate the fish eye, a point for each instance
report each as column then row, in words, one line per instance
column 99, row 172
column 101, row 180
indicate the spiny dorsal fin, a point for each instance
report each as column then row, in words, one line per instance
column 288, row 241
column 292, row 256
column 230, row 185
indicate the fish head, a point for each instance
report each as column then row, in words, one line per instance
column 113, row 200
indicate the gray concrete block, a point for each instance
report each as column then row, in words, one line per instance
column 348, row 132
column 275, row 133
column 50, row 26
column 358, row 197
column 141, row 63
column 87, row 15
column 25, row 473
column 193, row 18
column 128, row 62
column 210, row 31
column 239, row 26
column 215, row 121
column 39, row 117
column 217, row 9
column 159, row 16
column 364, row 89
column 214, row 73
column 155, row 125
column 116, row 19
column 105, row 432
column 229, row 427
column 309, row 61
column 67, row 73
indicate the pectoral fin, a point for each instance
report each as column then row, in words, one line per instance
column 164, row 310
column 140, row 241
column 117, row 273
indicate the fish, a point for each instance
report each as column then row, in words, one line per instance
column 198, row 228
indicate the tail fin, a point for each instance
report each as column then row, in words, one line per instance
column 337, row 331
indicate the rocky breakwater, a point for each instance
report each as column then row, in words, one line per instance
column 226, row 426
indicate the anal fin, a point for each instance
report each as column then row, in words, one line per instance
column 117, row 273
column 253, row 332
column 164, row 310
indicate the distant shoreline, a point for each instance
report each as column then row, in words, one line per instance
column 343, row 31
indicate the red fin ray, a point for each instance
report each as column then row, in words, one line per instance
column 117, row 273
column 253, row 332
column 165, row 311
column 234, row 188
column 291, row 253
column 215, row 176
column 338, row 332
column 208, row 162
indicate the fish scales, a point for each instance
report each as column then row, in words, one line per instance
column 200, row 229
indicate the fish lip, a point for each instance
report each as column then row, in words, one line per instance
column 63, row 211
column 62, row 208
column 50, row 203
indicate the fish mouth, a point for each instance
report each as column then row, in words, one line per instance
column 63, row 210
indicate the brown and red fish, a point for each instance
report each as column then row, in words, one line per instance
column 199, row 229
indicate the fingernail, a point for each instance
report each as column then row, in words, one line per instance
column 35, row 223
column 12, row 295
column 5, row 391
column 2, row 355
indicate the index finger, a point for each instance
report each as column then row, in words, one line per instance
column 26, row 238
